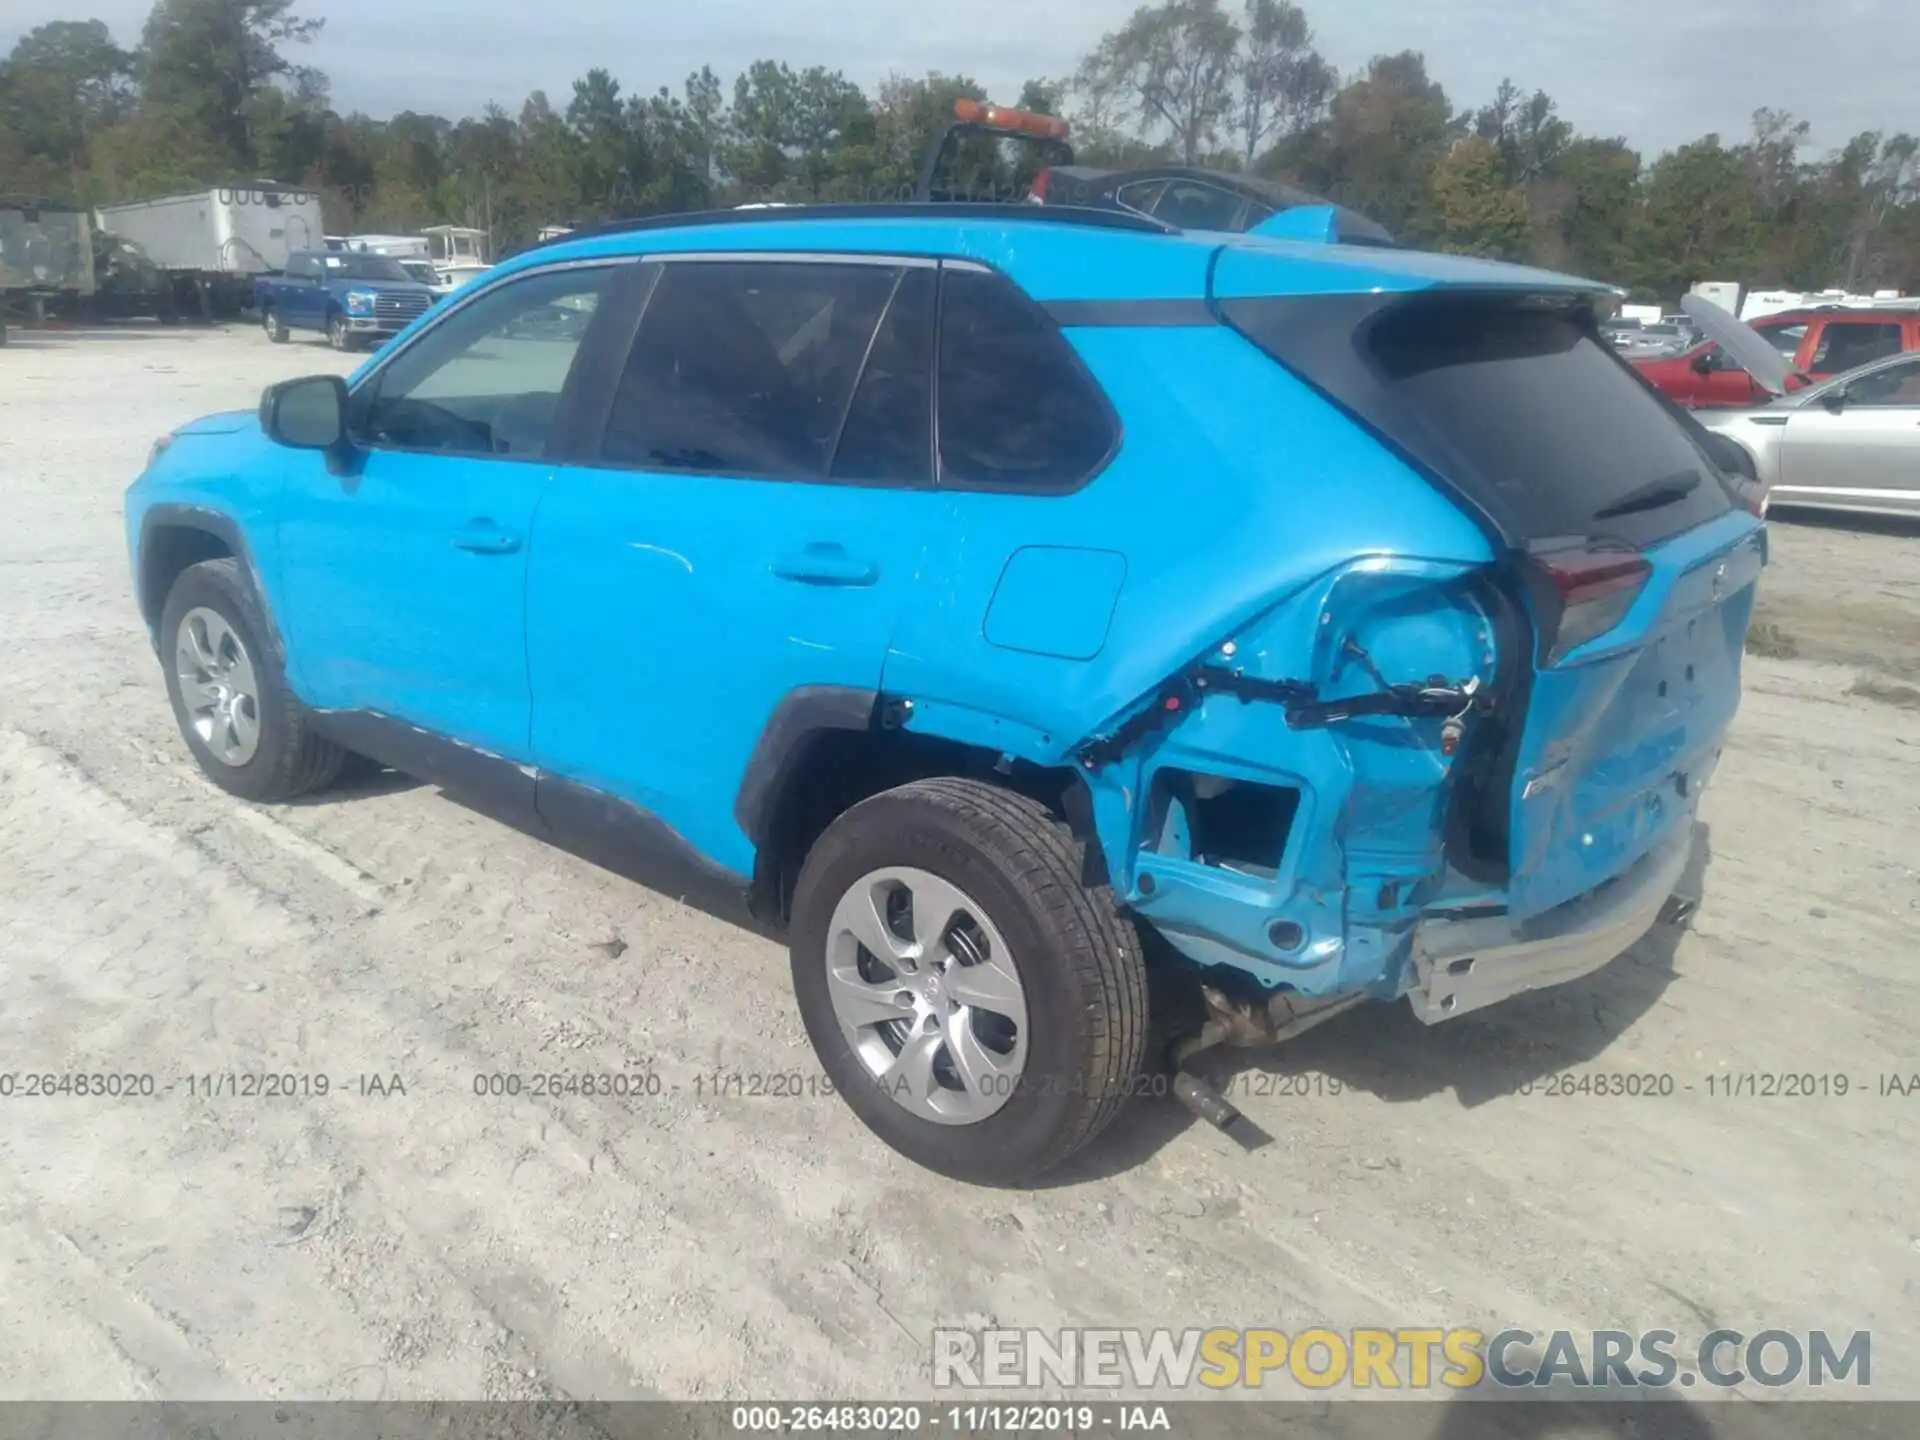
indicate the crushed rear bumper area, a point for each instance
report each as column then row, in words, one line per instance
column 1462, row 965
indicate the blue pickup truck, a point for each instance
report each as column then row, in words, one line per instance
column 353, row 299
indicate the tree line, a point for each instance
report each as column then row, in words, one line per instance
column 215, row 92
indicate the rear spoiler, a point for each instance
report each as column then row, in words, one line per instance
column 1326, row 224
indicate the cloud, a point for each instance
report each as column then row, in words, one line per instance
column 1659, row 72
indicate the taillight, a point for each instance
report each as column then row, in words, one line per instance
column 1579, row 595
column 1751, row 496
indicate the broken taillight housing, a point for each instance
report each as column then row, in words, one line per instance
column 1579, row 595
column 1751, row 496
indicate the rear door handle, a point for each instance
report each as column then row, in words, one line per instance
column 825, row 564
column 483, row 537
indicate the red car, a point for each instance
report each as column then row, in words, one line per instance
column 1817, row 343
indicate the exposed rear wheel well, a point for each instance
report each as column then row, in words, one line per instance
column 833, row 770
column 165, row 552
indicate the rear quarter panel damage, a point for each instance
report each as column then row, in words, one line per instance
column 1291, row 536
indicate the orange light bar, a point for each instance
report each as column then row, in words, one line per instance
column 999, row 117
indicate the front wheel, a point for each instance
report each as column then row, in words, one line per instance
column 275, row 327
column 981, row 1008
column 338, row 335
column 229, row 694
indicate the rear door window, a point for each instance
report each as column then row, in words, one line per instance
column 1140, row 195
column 888, row 437
column 1018, row 411
column 1189, row 205
column 1894, row 387
column 1522, row 409
column 1845, row 344
column 746, row 367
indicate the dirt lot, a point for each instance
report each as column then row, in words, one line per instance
column 439, row 1244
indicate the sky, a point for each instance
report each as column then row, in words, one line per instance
column 1658, row 72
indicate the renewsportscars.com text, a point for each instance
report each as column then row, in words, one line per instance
column 1400, row 1358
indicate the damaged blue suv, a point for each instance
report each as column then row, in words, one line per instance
column 1005, row 604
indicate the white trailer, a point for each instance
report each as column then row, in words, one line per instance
column 1724, row 293
column 219, row 240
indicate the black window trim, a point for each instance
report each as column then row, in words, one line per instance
column 584, row 438
column 561, row 437
column 1116, row 426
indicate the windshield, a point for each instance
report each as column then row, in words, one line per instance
column 364, row 267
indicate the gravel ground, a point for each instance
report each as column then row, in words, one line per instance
column 434, row 1243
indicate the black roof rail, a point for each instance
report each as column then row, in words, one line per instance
column 886, row 210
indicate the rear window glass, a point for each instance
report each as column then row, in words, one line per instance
column 1017, row 409
column 1845, row 344
column 1527, row 412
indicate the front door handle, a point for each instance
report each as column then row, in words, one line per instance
column 825, row 564
column 483, row 537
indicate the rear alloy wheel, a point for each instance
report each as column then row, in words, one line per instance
column 275, row 327
column 231, row 700
column 926, row 993
column 981, row 1009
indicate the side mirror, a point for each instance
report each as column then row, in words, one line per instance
column 1703, row 363
column 306, row 414
column 1835, row 400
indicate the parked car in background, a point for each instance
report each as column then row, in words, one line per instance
column 1619, row 332
column 1194, row 199
column 1648, row 342
column 927, row 582
column 1186, row 197
column 1816, row 344
column 1851, row 443
column 354, row 299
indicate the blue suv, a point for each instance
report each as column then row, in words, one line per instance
column 1007, row 604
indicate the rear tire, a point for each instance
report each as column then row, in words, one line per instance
column 229, row 693
column 1053, row 1080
